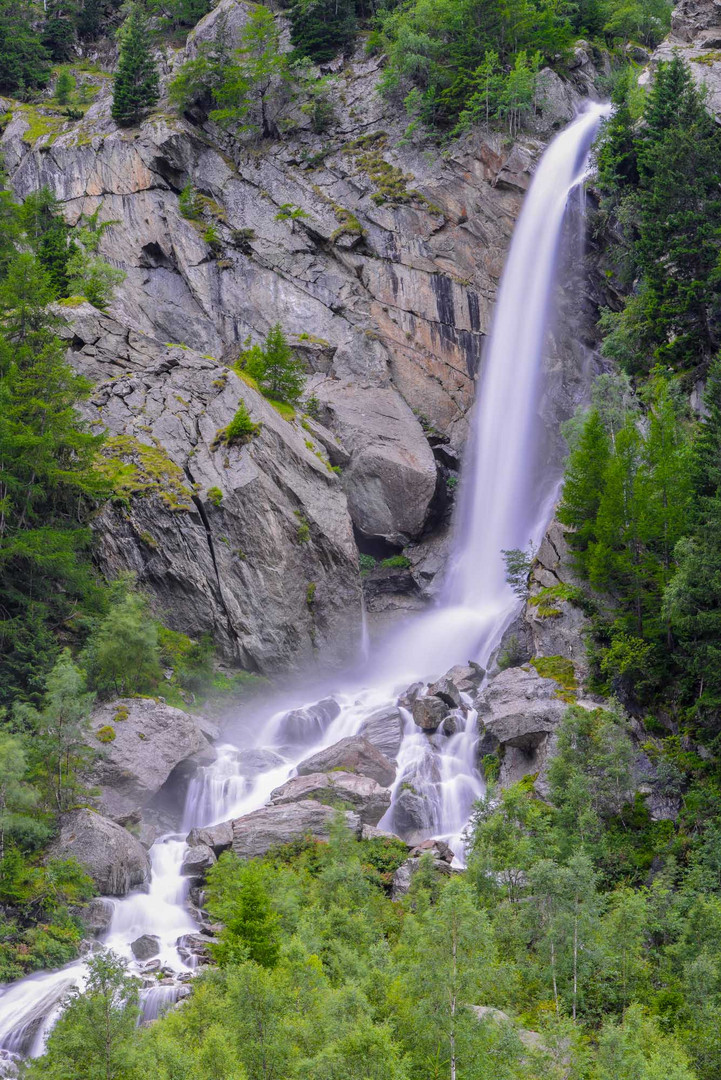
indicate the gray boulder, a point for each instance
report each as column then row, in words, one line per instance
column 519, row 712
column 363, row 794
column 385, row 730
column 216, row 837
column 97, row 916
column 429, row 712
column 113, row 858
column 354, row 754
column 145, row 946
column 256, row 833
column 140, row 742
column 310, row 723
column 447, row 691
column 391, row 478
column 197, row 861
column 411, row 814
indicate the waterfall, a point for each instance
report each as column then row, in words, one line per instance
column 500, row 506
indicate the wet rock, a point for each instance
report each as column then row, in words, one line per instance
column 308, row 724
column 113, row 858
column 256, row 833
column 429, row 712
column 254, row 761
column 139, row 741
column 97, row 916
column 354, row 755
column 411, row 813
column 465, row 677
column 195, row 947
column 197, row 861
column 385, row 730
column 145, row 947
column 447, row 691
column 363, row 794
column 405, row 701
column 451, row 725
column 216, row 837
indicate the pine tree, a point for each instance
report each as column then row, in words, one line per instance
column 584, row 483
column 320, row 29
column 135, row 89
column 276, row 368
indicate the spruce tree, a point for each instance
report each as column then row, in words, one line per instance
column 584, row 483
column 320, row 29
column 135, row 89
column 276, row 368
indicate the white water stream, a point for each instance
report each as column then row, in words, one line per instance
column 501, row 506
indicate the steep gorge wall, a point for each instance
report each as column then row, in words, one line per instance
column 385, row 286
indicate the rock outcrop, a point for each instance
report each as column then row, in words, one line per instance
column 354, row 755
column 384, row 729
column 256, row 833
column 385, row 293
column 114, row 859
column 518, row 713
column 227, row 539
column 696, row 37
column 139, row 742
column 338, row 789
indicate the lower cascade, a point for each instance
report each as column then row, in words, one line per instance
column 502, row 505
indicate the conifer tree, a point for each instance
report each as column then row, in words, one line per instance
column 320, row 29
column 584, row 482
column 276, row 368
column 135, row 89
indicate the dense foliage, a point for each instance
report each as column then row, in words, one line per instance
column 643, row 479
column 659, row 173
column 556, row 923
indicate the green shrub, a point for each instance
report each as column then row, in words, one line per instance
column 189, row 202
column 396, row 562
column 105, row 734
column 215, row 496
column 241, row 428
column 366, row 564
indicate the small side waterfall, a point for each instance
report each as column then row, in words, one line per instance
column 500, row 507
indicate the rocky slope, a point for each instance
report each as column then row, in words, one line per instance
column 385, row 286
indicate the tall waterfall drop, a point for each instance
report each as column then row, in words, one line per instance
column 499, row 508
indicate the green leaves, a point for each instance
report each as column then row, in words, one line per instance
column 135, row 89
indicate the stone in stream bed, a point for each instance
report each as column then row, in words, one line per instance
column 146, row 946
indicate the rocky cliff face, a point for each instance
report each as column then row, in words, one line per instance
column 385, row 287
column 696, row 37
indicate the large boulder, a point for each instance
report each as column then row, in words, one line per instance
column 114, row 859
column 429, row 712
column 140, row 741
column 391, row 479
column 411, row 814
column 308, row 724
column 256, row 833
column 518, row 713
column 385, row 730
column 216, row 837
column 343, row 789
column 355, row 755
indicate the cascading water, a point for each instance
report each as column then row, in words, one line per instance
column 500, row 507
